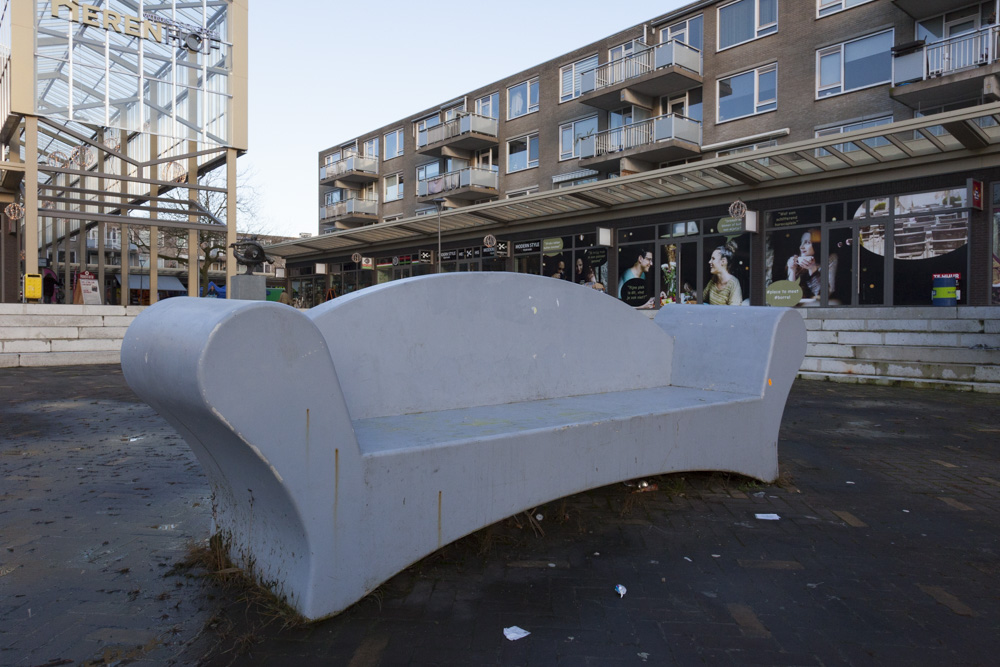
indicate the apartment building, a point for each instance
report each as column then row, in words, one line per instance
column 827, row 153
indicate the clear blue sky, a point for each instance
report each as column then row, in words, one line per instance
column 323, row 72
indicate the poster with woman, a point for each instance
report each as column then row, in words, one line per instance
column 635, row 284
column 796, row 268
column 727, row 263
column 591, row 268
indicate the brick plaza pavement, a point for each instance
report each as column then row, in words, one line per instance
column 886, row 550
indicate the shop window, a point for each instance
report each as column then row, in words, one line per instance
column 996, row 246
column 928, row 240
column 748, row 93
column 746, row 20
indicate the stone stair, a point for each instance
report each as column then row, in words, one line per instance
column 953, row 348
column 62, row 335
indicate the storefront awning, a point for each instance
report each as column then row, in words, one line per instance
column 163, row 283
column 928, row 140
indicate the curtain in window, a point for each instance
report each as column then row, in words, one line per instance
column 737, row 23
column 518, row 103
column 768, row 12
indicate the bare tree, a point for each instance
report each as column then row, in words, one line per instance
column 212, row 247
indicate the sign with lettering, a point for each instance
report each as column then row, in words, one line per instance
column 523, row 247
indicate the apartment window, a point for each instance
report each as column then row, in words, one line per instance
column 745, row 20
column 522, row 99
column 854, row 65
column 514, row 194
column 689, row 32
column 489, row 105
column 569, row 77
column 392, row 218
column 570, row 135
column 393, row 144
column 621, row 51
column 748, row 93
column 827, row 7
column 581, row 181
column 393, row 187
column 371, row 147
column 851, row 127
column 334, row 196
column 427, row 210
column 522, row 153
column 748, row 148
column 429, row 170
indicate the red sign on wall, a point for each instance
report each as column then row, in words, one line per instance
column 977, row 195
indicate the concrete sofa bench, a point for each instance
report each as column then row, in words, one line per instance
column 345, row 443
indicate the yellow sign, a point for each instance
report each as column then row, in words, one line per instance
column 33, row 286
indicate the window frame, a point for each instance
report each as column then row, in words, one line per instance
column 529, row 108
column 399, row 187
column 572, row 70
column 836, row 6
column 398, row 132
column 493, row 103
column 527, row 139
column 841, row 85
column 571, row 125
column 758, row 103
column 759, row 30
column 371, row 142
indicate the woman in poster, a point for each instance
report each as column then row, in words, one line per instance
column 804, row 268
column 723, row 288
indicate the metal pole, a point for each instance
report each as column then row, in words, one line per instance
column 439, row 205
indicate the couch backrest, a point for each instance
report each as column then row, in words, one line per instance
column 459, row 340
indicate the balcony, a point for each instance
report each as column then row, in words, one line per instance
column 469, row 183
column 349, row 213
column 352, row 169
column 468, row 132
column 952, row 70
column 661, row 139
column 653, row 72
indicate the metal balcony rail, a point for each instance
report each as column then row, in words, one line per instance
column 353, row 206
column 960, row 52
column 642, row 133
column 947, row 56
column 461, row 178
column 644, row 60
column 464, row 124
column 350, row 163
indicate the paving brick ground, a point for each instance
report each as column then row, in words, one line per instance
column 887, row 550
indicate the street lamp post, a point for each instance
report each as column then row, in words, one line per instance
column 440, row 205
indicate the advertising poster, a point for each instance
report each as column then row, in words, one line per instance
column 727, row 266
column 635, row 284
column 591, row 268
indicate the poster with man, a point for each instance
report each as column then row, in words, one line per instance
column 635, row 285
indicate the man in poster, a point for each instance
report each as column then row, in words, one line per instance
column 632, row 287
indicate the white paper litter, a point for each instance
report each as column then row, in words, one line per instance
column 514, row 633
column 767, row 517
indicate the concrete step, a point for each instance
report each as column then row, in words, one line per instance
column 910, row 369
column 923, row 353
column 60, row 358
column 890, row 381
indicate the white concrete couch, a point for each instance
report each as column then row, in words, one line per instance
column 345, row 443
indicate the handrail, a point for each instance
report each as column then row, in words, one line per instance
column 644, row 61
column 462, row 124
column 459, row 178
column 961, row 52
column 351, row 205
column 646, row 132
column 353, row 162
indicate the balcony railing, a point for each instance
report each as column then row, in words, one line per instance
column 671, row 53
column 946, row 57
column 458, row 126
column 349, row 207
column 642, row 133
column 352, row 163
column 454, row 180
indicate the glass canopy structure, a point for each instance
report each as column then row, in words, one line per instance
column 118, row 118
